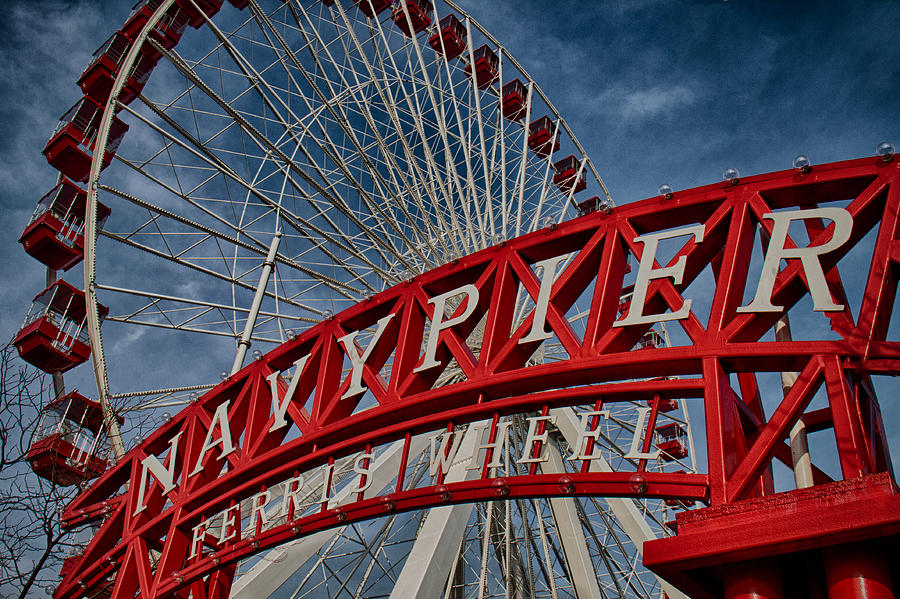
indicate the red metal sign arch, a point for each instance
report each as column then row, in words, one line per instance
column 372, row 375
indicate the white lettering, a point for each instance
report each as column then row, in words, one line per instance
column 438, row 323
column 587, row 433
column 259, row 516
column 197, row 538
column 230, row 526
column 809, row 258
column 364, row 470
column 349, row 342
column 647, row 273
column 635, row 452
column 280, row 407
column 165, row 476
column 443, row 458
column 533, row 437
column 291, row 498
column 327, row 469
column 496, row 446
column 537, row 332
column 220, row 418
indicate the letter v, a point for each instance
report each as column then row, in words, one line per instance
column 279, row 407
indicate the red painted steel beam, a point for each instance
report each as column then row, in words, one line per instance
column 727, row 346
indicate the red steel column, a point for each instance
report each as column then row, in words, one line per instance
column 752, row 580
column 858, row 571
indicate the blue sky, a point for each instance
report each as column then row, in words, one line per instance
column 656, row 90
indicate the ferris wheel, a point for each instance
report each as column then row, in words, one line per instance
column 286, row 161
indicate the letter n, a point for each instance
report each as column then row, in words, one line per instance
column 165, row 476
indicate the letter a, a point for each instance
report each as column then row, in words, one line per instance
column 220, row 418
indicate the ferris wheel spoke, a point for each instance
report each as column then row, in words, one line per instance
column 237, row 243
column 440, row 124
column 300, row 224
column 255, row 79
column 201, row 269
column 571, row 535
column 158, row 297
column 399, row 183
column 342, row 120
column 487, row 200
column 390, row 104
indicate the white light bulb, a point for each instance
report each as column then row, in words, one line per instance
column 327, row 314
column 885, row 151
column 731, row 175
column 802, row 164
column 257, row 355
column 666, row 191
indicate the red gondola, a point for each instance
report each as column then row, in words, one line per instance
column 208, row 7
column 371, row 8
column 515, row 98
column 541, row 134
column 671, row 439
column 487, row 66
column 651, row 340
column 665, row 404
column 565, row 177
column 70, row 147
column 55, row 234
column 54, row 337
column 450, row 40
column 66, row 449
column 97, row 80
column 419, row 15
column 166, row 33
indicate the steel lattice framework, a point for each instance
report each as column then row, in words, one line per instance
column 313, row 404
